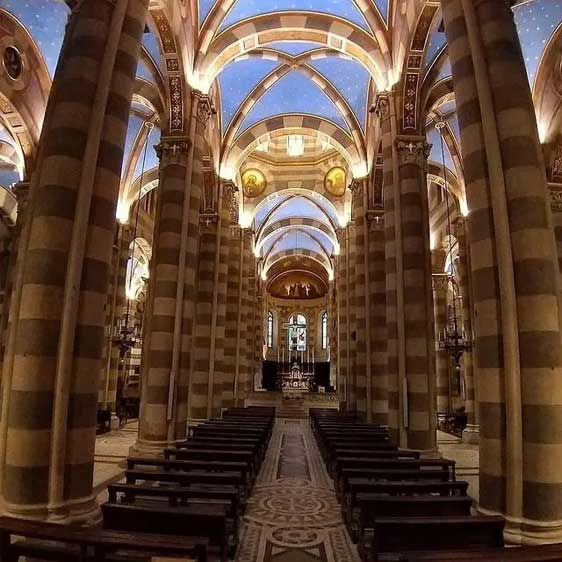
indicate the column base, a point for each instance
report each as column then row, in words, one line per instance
column 522, row 531
column 115, row 422
column 149, row 449
column 83, row 511
column 471, row 434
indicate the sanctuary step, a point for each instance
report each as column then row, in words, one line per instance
column 292, row 408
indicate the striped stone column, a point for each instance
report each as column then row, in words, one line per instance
column 342, row 322
column 386, row 113
column 202, row 388
column 351, row 320
column 207, row 377
column 378, row 331
column 363, row 389
column 233, row 331
column 515, row 275
column 222, row 371
column 165, row 267
column 21, row 191
column 245, row 384
column 440, row 285
column 413, row 280
column 470, row 433
column 259, row 326
column 55, row 346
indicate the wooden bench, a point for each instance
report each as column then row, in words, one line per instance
column 83, row 543
column 374, row 506
column 238, row 444
column 343, row 462
column 393, row 475
column 176, row 495
column 543, row 553
column 361, row 486
column 191, row 465
column 368, row 454
column 190, row 478
column 399, row 534
column 215, row 455
column 207, row 521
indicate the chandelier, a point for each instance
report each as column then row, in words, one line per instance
column 453, row 339
column 126, row 336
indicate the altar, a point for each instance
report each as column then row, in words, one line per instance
column 293, row 378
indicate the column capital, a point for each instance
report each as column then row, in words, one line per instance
column 439, row 282
column 173, row 150
column 382, row 104
column 230, row 191
column 208, row 221
column 459, row 226
column 412, row 150
column 555, row 195
column 376, row 219
column 204, row 107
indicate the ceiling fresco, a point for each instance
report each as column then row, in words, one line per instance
column 45, row 20
column 244, row 9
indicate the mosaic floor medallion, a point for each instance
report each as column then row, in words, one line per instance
column 293, row 514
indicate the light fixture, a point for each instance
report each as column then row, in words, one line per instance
column 295, row 145
column 453, row 340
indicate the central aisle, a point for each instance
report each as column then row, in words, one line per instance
column 293, row 514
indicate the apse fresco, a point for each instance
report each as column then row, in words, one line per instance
column 294, row 93
column 45, row 20
column 298, row 285
column 247, row 8
column 536, row 23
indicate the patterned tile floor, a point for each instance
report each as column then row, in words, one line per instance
column 293, row 514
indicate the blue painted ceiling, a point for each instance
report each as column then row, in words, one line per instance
column 243, row 9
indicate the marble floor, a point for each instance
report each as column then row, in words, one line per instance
column 293, row 514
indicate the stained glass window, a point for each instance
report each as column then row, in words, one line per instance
column 297, row 332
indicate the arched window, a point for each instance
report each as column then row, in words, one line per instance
column 270, row 329
column 297, row 332
column 325, row 330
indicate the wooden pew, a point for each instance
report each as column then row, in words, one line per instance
column 187, row 466
column 400, row 534
column 392, row 475
column 84, row 543
column 374, row 506
column 237, row 443
column 215, row 455
column 367, row 453
column 207, row 521
column 176, row 495
column 350, row 506
column 543, row 553
column 185, row 479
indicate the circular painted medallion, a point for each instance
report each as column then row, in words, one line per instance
column 335, row 181
column 13, row 63
column 253, row 183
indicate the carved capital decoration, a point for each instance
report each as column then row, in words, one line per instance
column 208, row 221
column 230, row 191
column 376, row 219
column 21, row 191
column 413, row 150
column 382, row 106
column 172, row 150
column 204, row 106
column 556, row 164
column 459, row 227
column 555, row 200
column 439, row 282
